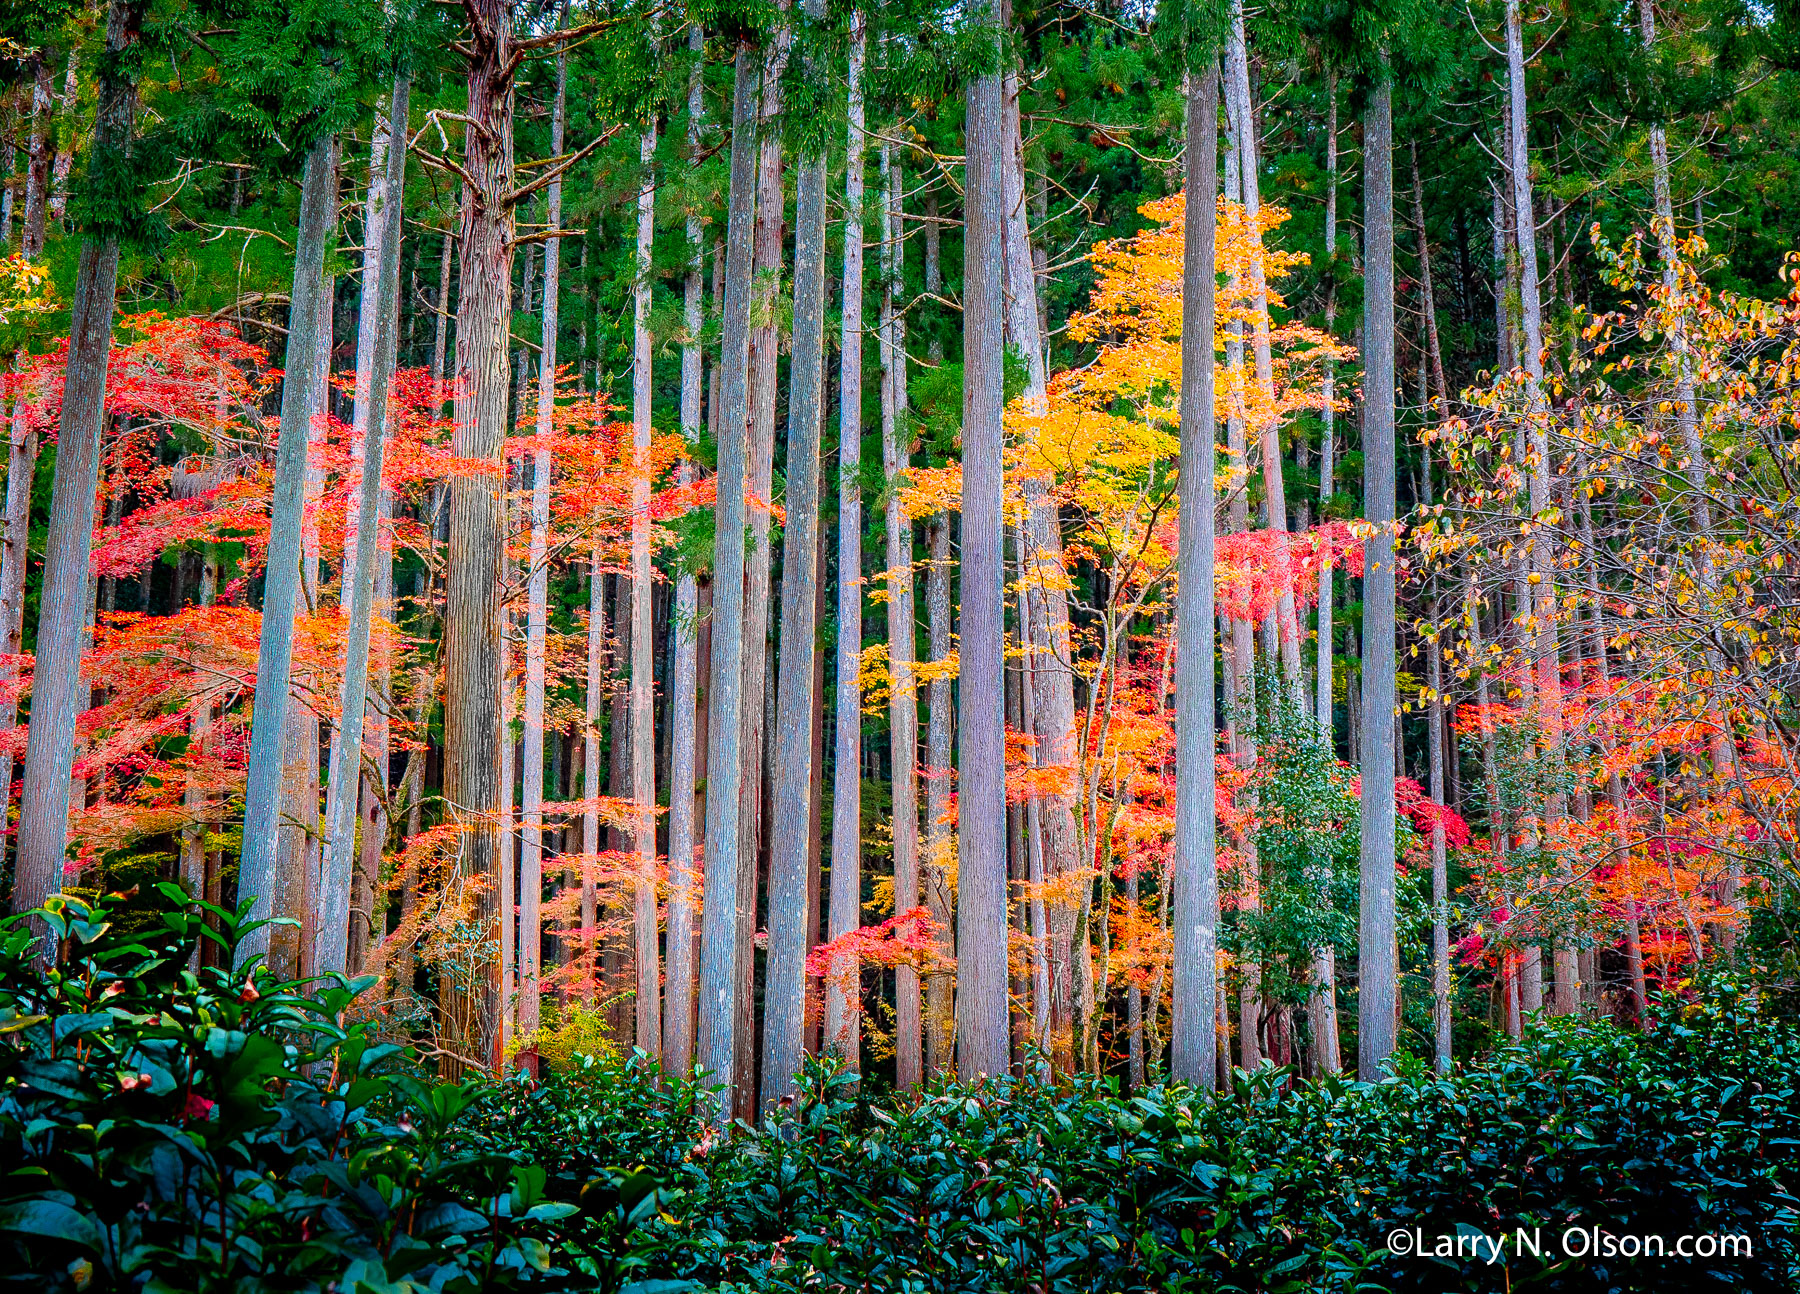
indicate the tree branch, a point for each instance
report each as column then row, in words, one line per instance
column 560, row 169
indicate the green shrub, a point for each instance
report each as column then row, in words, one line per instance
column 1030, row 1185
column 168, row 1129
column 570, row 1035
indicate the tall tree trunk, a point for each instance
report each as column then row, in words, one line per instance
column 440, row 331
column 1043, row 976
column 194, row 797
column 720, row 916
column 981, row 1008
column 1269, row 427
column 507, row 824
column 842, row 1019
column 784, row 994
column 643, row 650
column 1322, row 706
column 1440, row 882
column 537, row 598
column 300, row 835
column 22, row 445
column 940, row 1004
column 257, row 875
column 332, row 901
column 1240, row 678
column 594, row 695
column 1193, row 1036
column 1378, row 955
column 1539, row 544
column 903, row 702
column 1053, row 828
column 765, row 360
column 59, row 692
column 678, row 993
column 1721, row 747
column 1322, row 1004
column 473, row 731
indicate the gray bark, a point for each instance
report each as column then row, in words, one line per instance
column 981, row 1006
column 1539, row 545
column 842, row 1021
column 678, row 992
column 903, row 700
column 1269, row 432
column 940, row 1004
column 643, row 651
column 1053, row 831
column 1322, row 706
column 58, row 691
column 281, row 589
column 1379, row 987
column 784, row 999
column 537, row 597
column 720, row 916
column 22, row 444
column 1322, row 1005
column 1193, row 1033
column 332, row 897
column 767, row 260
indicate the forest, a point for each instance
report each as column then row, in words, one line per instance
column 1049, row 645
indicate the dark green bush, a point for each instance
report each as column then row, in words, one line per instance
column 163, row 1128
column 1691, row 1128
column 167, row 1129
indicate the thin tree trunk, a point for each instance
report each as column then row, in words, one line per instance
column 300, row 835
column 1240, row 681
column 441, row 326
column 257, row 876
column 1322, row 1004
column 531, row 796
column 59, row 692
column 1054, row 833
column 1378, row 955
column 508, row 867
column 473, row 625
column 590, row 769
column 65, row 159
column 643, row 651
column 1322, row 707
column 765, row 345
column 1193, row 1031
column 784, row 995
column 842, row 1015
column 1269, row 429
column 981, row 1007
column 1440, row 884
column 1687, row 420
column 720, row 919
column 1043, row 1010
column 678, row 993
column 333, row 899
column 38, row 162
column 22, row 448
column 1539, row 545
column 940, row 1003
column 903, row 702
